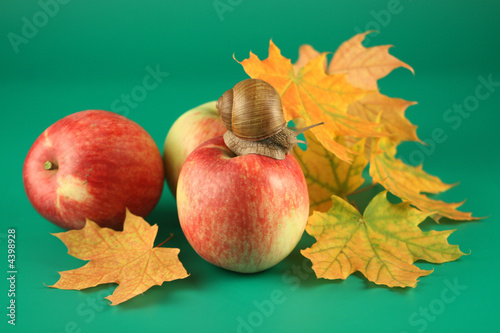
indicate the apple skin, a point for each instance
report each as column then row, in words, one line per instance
column 242, row 213
column 106, row 163
column 189, row 131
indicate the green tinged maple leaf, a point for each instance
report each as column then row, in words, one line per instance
column 382, row 244
column 326, row 174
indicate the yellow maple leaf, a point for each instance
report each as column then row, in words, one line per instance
column 388, row 111
column 316, row 97
column 382, row 244
column 326, row 174
column 125, row 257
column 409, row 182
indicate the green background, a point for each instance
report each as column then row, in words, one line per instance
column 86, row 54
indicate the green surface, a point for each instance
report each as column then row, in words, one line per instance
column 86, row 54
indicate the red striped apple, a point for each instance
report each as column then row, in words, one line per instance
column 189, row 131
column 243, row 213
column 93, row 164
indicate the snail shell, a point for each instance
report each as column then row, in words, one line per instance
column 253, row 115
column 252, row 110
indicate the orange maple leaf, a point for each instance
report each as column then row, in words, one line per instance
column 125, row 257
column 315, row 96
column 364, row 66
column 306, row 54
column 382, row 244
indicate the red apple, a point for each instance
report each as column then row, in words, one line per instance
column 189, row 131
column 243, row 213
column 93, row 164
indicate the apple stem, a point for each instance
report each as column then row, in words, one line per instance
column 166, row 240
column 50, row 166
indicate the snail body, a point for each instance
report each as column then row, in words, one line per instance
column 253, row 115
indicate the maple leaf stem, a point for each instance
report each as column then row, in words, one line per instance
column 369, row 187
column 166, row 240
column 354, row 205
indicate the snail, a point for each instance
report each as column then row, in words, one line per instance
column 253, row 115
